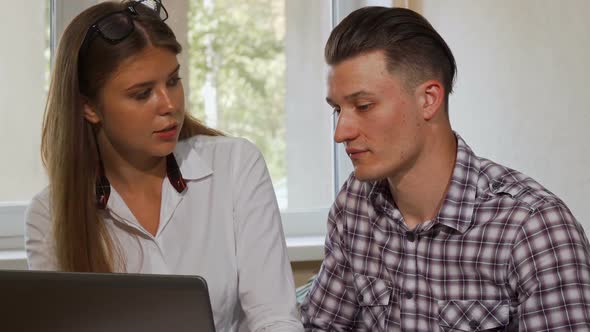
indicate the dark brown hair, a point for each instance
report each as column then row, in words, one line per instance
column 68, row 145
column 412, row 47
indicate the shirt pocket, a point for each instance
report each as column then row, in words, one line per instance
column 473, row 315
column 374, row 297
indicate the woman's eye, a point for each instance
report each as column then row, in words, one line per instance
column 143, row 95
column 335, row 110
column 173, row 81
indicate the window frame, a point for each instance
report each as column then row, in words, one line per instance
column 305, row 229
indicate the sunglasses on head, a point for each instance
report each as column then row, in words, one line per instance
column 116, row 26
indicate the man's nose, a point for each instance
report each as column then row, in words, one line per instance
column 346, row 129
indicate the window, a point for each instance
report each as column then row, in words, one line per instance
column 255, row 71
column 237, row 75
column 252, row 69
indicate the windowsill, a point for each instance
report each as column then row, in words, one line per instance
column 12, row 255
column 13, row 260
column 305, row 248
column 299, row 248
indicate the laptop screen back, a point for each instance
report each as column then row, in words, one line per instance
column 92, row 302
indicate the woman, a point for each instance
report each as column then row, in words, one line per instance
column 137, row 185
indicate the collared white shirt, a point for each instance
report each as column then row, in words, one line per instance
column 225, row 226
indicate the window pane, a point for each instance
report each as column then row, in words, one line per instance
column 237, row 68
column 252, row 77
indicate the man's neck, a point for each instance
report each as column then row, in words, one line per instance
column 419, row 193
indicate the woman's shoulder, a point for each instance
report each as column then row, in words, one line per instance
column 38, row 210
column 231, row 156
column 213, row 147
column 41, row 199
column 205, row 141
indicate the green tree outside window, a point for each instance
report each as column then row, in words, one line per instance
column 237, row 72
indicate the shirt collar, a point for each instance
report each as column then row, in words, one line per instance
column 183, row 165
column 192, row 166
column 459, row 201
column 380, row 196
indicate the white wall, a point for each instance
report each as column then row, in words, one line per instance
column 22, row 98
column 522, row 95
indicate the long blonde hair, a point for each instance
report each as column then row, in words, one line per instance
column 69, row 148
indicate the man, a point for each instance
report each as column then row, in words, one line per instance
column 425, row 235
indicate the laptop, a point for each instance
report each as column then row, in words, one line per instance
column 93, row 302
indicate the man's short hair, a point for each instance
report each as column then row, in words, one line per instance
column 411, row 45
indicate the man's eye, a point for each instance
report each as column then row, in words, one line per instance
column 364, row 107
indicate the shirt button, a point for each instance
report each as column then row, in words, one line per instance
column 409, row 295
column 474, row 324
column 411, row 236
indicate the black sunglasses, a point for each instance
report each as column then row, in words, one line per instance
column 116, row 26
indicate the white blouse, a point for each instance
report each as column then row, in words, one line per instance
column 225, row 226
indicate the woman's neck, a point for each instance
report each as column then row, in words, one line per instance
column 131, row 171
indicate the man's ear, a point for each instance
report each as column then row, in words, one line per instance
column 90, row 112
column 431, row 98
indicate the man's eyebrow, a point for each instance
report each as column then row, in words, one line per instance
column 352, row 96
column 358, row 94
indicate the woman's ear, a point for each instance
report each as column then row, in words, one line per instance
column 90, row 112
column 431, row 96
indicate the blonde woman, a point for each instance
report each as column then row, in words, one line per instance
column 137, row 185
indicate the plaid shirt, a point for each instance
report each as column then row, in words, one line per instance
column 503, row 254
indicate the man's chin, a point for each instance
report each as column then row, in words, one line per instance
column 364, row 175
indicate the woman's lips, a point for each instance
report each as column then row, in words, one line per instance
column 168, row 132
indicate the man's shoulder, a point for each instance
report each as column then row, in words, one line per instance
column 496, row 180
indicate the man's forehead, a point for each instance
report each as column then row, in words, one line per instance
column 369, row 58
column 361, row 67
column 359, row 77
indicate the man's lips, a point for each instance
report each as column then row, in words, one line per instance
column 354, row 152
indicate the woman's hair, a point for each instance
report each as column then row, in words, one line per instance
column 69, row 149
